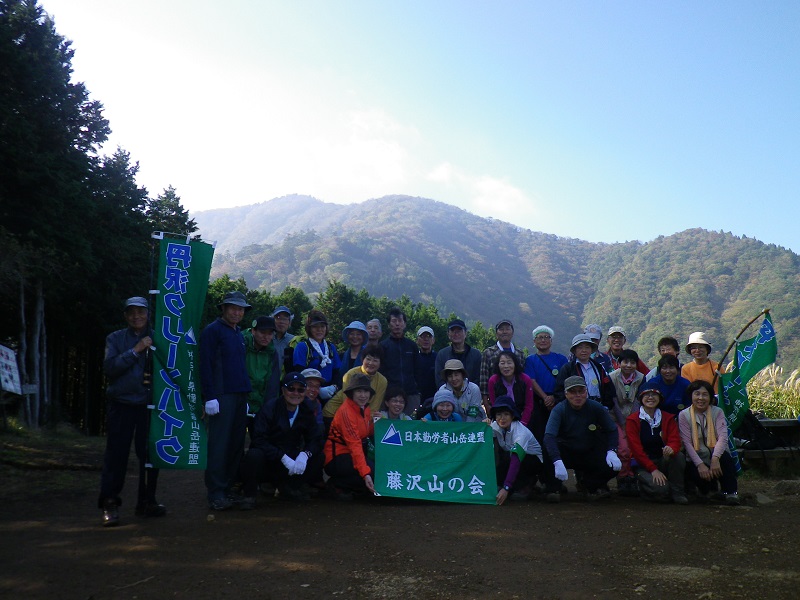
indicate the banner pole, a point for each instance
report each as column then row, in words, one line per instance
column 736, row 339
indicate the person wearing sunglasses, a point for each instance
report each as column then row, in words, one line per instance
column 286, row 449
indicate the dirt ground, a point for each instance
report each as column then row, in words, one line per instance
column 52, row 545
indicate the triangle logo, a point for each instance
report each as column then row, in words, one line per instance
column 392, row 437
column 190, row 337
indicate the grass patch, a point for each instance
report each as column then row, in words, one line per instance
column 775, row 395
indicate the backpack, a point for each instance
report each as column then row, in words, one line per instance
column 756, row 436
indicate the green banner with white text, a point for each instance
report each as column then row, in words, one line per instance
column 443, row 461
column 177, row 433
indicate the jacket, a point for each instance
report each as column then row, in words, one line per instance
column 263, row 367
column 125, row 372
column 523, row 394
column 607, row 392
column 273, row 434
column 350, row 429
column 669, row 436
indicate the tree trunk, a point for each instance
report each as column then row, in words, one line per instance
column 23, row 350
column 43, row 379
column 36, row 355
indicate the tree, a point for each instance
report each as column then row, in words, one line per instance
column 165, row 213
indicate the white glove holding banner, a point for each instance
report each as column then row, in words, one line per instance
column 212, row 407
column 561, row 470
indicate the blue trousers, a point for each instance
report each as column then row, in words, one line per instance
column 226, row 433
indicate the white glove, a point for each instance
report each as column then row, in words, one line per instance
column 561, row 470
column 212, row 407
column 288, row 463
column 327, row 392
column 612, row 460
column 300, row 463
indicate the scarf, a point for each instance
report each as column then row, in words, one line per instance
column 511, row 347
column 653, row 421
column 710, row 433
column 324, row 358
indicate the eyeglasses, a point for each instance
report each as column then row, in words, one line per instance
column 297, row 389
column 543, row 336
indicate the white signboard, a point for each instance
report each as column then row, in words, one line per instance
column 9, row 373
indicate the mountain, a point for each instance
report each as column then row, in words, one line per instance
column 485, row 269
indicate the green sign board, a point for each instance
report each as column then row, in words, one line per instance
column 443, row 461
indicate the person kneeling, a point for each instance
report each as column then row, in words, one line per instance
column 655, row 445
column 519, row 456
column 580, row 435
column 347, row 455
column 287, row 445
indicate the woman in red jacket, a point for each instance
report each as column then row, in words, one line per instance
column 655, row 446
column 346, row 459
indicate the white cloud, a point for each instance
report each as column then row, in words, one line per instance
column 485, row 195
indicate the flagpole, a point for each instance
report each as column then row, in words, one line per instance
column 736, row 339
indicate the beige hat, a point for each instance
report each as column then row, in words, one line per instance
column 453, row 365
column 698, row 337
column 616, row 329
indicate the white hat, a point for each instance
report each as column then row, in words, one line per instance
column 698, row 337
column 425, row 329
column 616, row 329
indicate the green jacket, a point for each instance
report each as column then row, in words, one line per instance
column 263, row 369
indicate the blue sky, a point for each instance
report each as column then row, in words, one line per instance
column 605, row 121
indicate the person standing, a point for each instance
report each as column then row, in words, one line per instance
column 283, row 320
column 460, row 350
column 400, row 359
column 127, row 417
column 226, row 384
column 426, row 363
column 504, row 332
column 263, row 366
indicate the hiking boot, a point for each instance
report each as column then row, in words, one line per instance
column 553, row 497
column 600, row 494
column 732, row 499
column 680, row 499
column 151, row 509
column 247, row 503
column 220, row 504
column 235, row 496
column 292, row 494
column 110, row 513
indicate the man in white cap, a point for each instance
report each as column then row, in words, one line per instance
column 543, row 367
column 127, row 415
column 226, row 384
column 426, row 364
column 283, row 320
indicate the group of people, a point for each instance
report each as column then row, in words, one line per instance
column 309, row 408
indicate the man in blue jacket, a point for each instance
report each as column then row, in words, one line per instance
column 127, row 415
column 223, row 373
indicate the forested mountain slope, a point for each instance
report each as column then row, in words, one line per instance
column 485, row 269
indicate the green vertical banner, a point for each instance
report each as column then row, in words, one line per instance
column 751, row 356
column 177, row 434
column 443, row 461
